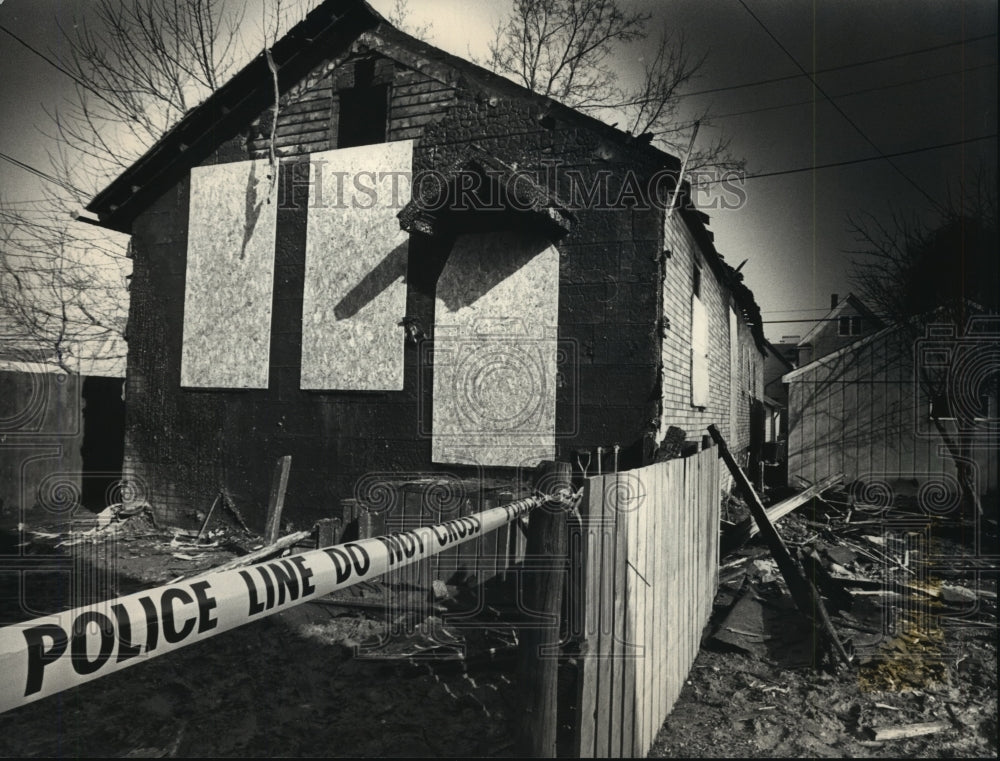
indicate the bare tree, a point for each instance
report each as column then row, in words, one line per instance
column 399, row 17
column 137, row 66
column 567, row 50
column 918, row 274
column 61, row 289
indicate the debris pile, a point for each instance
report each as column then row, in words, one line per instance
column 913, row 607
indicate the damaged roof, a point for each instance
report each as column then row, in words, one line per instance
column 327, row 30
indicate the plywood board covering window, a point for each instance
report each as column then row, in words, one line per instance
column 495, row 351
column 230, row 275
column 355, row 278
column 699, row 353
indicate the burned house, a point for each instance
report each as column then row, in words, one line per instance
column 410, row 266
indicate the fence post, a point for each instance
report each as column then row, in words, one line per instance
column 544, row 562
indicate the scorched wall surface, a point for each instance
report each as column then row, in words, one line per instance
column 185, row 444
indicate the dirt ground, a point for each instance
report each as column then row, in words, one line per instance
column 354, row 679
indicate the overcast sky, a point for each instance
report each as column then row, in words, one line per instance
column 793, row 227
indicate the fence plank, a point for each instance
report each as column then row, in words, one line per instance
column 626, row 506
column 618, row 620
column 638, row 527
column 668, row 593
column 602, row 746
column 649, row 625
column 671, row 540
column 694, row 564
column 655, row 591
column 648, row 581
column 660, row 598
column 691, row 566
column 590, row 618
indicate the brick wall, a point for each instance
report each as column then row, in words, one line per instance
column 744, row 381
column 183, row 445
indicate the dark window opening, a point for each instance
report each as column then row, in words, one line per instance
column 697, row 281
column 363, row 109
column 940, row 406
column 850, row 326
column 363, row 113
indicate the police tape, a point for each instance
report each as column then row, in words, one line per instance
column 46, row 655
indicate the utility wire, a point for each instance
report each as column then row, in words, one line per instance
column 45, row 58
column 33, row 170
column 839, row 110
column 849, row 161
column 780, row 106
column 841, row 67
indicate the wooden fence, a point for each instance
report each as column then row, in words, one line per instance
column 642, row 594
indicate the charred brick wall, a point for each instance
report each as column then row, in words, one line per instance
column 183, row 445
column 608, row 289
column 741, row 380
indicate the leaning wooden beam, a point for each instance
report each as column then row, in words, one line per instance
column 276, row 502
column 781, row 509
column 737, row 534
column 803, row 592
column 204, row 525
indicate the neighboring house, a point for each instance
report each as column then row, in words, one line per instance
column 61, row 433
column 775, row 451
column 536, row 301
column 847, row 321
column 860, row 410
column 776, row 365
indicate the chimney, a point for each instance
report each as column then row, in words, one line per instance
column 833, row 301
column 805, row 354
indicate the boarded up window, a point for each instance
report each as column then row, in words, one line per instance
column 230, row 275
column 699, row 353
column 495, row 351
column 355, row 279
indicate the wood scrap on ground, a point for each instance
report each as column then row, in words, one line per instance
column 909, row 730
column 803, row 592
column 748, row 528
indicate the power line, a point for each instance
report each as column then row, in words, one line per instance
column 23, row 202
column 851, row 161
column 29, row 168
column 841, row 67
column 990, row 65
column 839, row 110
column 45, row 58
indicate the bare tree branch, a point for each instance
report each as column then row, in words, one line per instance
column 918, row 274
column 566, row 49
